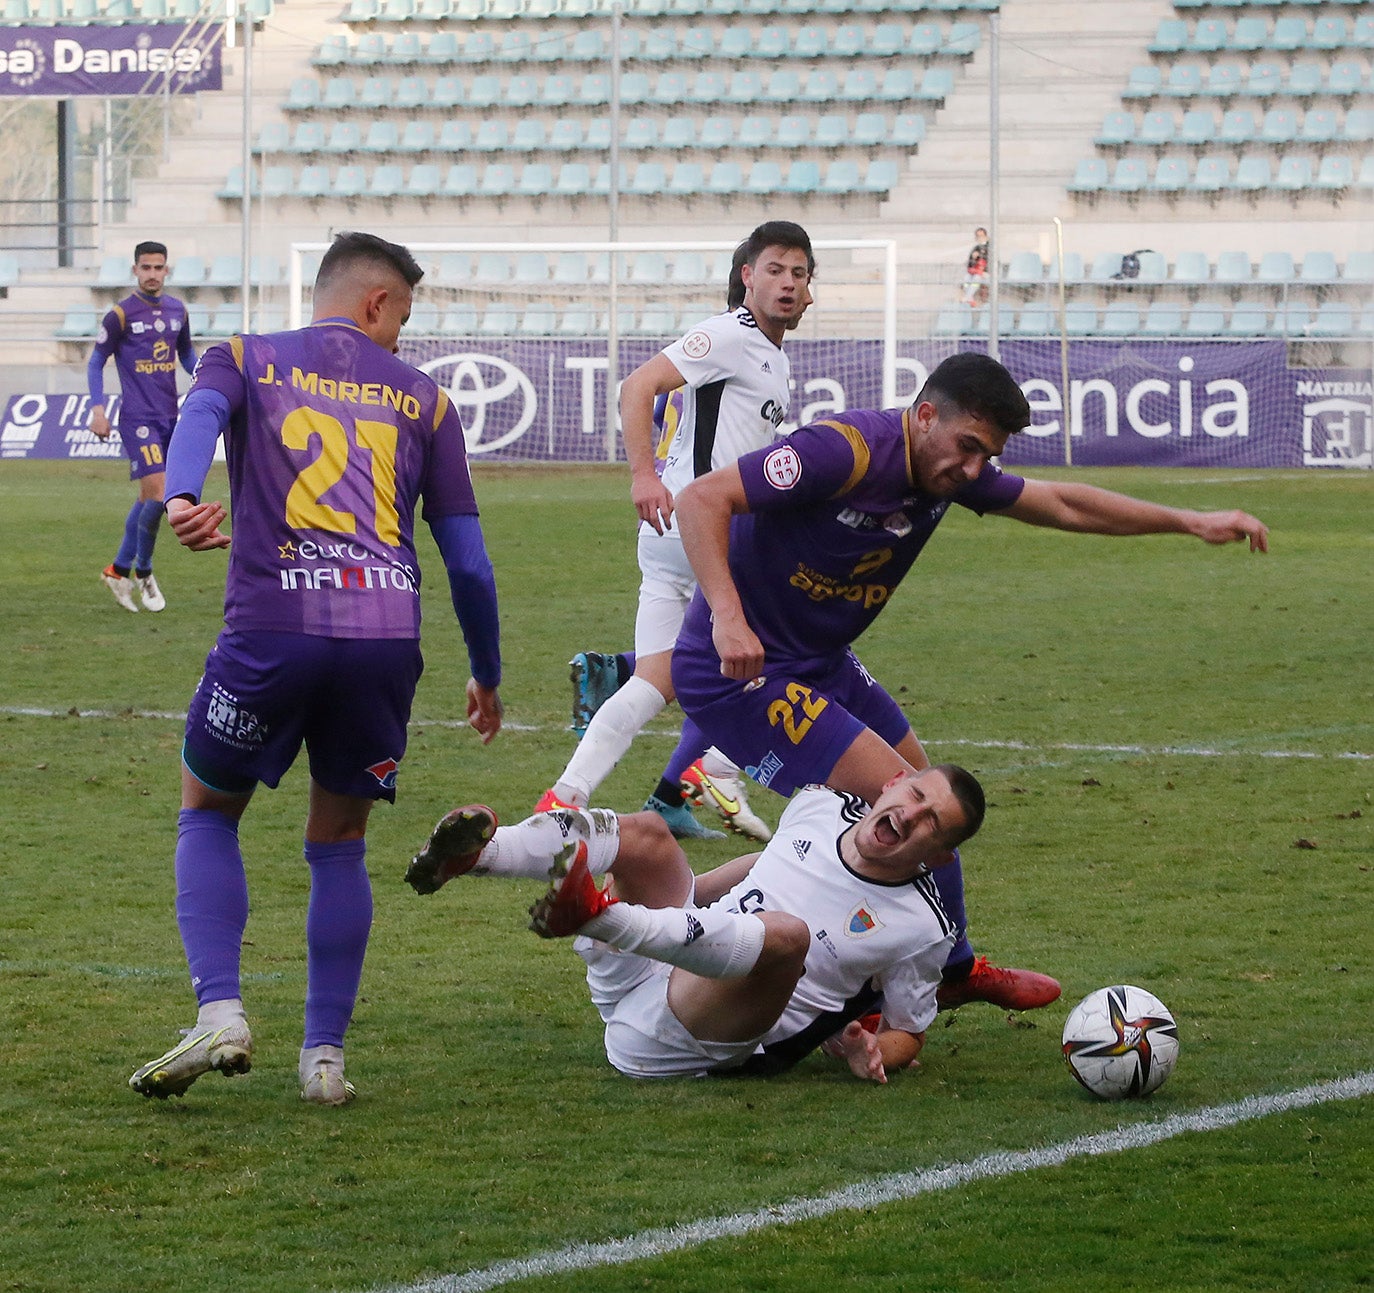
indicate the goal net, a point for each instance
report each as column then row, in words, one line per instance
column 523, row 335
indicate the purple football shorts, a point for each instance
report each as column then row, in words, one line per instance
column 146, row 445
column 263, row 693
column 789, row 728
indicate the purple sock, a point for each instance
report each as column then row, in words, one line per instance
column 128, row 547
column 149, row 519
column 212, row 901
column 336, row 928
column 691, row 746
column 949, row 880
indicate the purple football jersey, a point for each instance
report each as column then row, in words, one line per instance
column 147, row 335
column 331, row 442
column 835, row 522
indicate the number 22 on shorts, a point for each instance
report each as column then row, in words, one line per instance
column 783, row 714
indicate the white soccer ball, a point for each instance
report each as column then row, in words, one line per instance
column 1120, row 1042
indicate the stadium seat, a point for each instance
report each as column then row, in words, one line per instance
column 908, row 130
column 1232, row 267
column 735, row 43
column 658, row 320
column 1359, row 125
column 841, row 178
column 386, row 181
column 424, row 181
column 1333, row 319
column 717, row 134
column 882, row 176
column 1154, row 267
column 1252, row 174
column 1191, row 268
column 339, row 93
column 539, row 320
column 1238, row 126
column 1280, row 126
column 1249, row 318
column 498, row 320
column 455, row 268
column 1294, row 174
column 529, row 135
column 1117, row 128
column 1034, row 321
column 1345, row 78
column 1328, row 32
column 810, row 41
column 926, row 39
column 1251, row 33
column 484, row 91
column 1198, row 128
column 447, row 92
column 417, row 137
column 803, row 176
column 493, row 136
column 1119, row 319
column 226, row 270
column 574, row 180
column 688, row 269
column 640, row 132
column 792, row 131
column 498, row 180
column 1335, row 174
column 1130, row 175
column 753, row 132
column 1024, row 269
column 1289, row 34
column 1223, row 80
column 382, row 136
column 648, row 179
column 314, row 182
column 1264, row 80
column 531, row 269
column 1171, row 37
column 274, row 137
column 455, row 135
column 536, row 179
column 1184, row 81
column 955, row 319
column 820, row 86
column 1143, row 82
column 568, row 134
column 1291, row 320
column 1073, row 268
column 1213, row 174
column 1362, row 34
column 1162, row 319
column 1205, row 320
column 460, row 180
column 1319, row 126
column 1275, row 267
column 443, row 47
column 848, row 41
column 1105, row 265
column 1090, row 176
column 1358, row 267
column 1156, row 128
column 1171, row 175
column 423, row 320
column 344, row 137
column 937, row 83
column 1304, row 80
column 727, row 177
column 688, row 178
column 832, row 129
column 963, row 39
column 302, row 95
column 78, row 324
column 1319, row 267
column 1080, row 318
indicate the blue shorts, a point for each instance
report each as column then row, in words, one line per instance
column 263, row 694
column 145, row 443
column 790, row 729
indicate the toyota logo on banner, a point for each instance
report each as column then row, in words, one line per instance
column 496, row 401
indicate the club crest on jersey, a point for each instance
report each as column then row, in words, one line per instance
column 782, row 468
column 385, row 772
column 696, row 345
column 861, row 922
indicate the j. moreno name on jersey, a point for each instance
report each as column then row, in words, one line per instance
column 377, row 394
column 73, row 56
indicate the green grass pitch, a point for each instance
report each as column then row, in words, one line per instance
column 1164, row 730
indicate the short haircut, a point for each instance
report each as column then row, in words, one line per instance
column 776, row 233
column 150, row 249
column 351, row 248
column 979, row 386
column 969, row 792
column 734, row 291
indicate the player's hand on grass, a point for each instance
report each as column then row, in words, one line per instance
column 485, row 710
column 1233, row 527
column 739, row 648
column 860, row 1050
column 196, row 525
column 652, row 500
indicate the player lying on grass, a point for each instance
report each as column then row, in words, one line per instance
column 755, row 964
column 797, row 548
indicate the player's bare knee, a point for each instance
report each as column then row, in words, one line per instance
column 786, row 939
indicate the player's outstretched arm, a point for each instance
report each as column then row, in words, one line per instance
column 870, row 1055
column 1085, row 509
column 653, row 501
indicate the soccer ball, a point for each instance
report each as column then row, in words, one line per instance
column 1120, row 1042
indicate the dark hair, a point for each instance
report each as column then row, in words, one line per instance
column 979, row 386
column 776, row 233
column 969, row 792
column 150, row 249
column 734, row 290
column 352, row 248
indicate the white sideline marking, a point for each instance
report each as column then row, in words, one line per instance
column 1172, row 751
column 887, row 1189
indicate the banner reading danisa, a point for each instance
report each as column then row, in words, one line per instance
column 1159, row 404
column 111, row 60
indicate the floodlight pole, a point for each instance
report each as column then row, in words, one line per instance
column 246, row 154
column 1063, row 345
column 613, row 225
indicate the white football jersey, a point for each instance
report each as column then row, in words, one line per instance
column 735, row 399
column 867, row 937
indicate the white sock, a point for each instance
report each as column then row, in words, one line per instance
column 606, row 739
column 709, row 942
column 715, row 764
column 219, row 1014
column 528, row 848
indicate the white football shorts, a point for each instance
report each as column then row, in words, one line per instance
column 644, row 1039
column 666, row 586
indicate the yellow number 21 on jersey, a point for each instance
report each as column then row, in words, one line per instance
column 304, row 510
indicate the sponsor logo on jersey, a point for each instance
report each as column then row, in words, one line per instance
column 773, row 413
column 801, row 848
column 137, row 326
column 142, row 433
column 769, row 767
column 767, row 367
column 824, row 939
column 695, row 929
column 782, row 468
column 862, row 922
column 385, row 772
column 158, row 325
column 696, row 345
column 231, row 722
column 161, row 349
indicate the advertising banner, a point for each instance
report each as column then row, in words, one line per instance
column 1159, row 404
column 111, row 61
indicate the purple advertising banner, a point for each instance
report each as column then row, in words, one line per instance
column 1161, row 404
column 128, row 59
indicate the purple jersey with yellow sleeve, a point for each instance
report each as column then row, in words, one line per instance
column 147, row 335
column 835, row 522
column 331, row 442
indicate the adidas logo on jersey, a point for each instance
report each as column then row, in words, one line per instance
column 801, row 848
column 767, row 368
